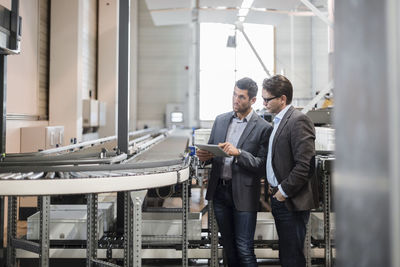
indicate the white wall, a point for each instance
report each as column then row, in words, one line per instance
column 134, row 54
column 65, row 67
column 320, row 57
column 108, row 63
column 293, row 55
column 23, row 97
column 23, row 93
column 72, row 62
column 162, row 78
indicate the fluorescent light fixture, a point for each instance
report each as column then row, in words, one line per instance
column 247, row 4
column 243, row 12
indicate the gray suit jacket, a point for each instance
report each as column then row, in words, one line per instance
column 293, row 160
column 248, row 167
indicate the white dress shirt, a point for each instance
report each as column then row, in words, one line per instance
column 270, row 171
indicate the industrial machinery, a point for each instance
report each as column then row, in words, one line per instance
column 157, row 158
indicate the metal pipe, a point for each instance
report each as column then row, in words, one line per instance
column 317, row 98
column 318, row 13
column 114, row 167
column 239, row 26
column 53, row 162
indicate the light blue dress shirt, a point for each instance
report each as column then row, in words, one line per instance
column 270, row 171
column 235, row 131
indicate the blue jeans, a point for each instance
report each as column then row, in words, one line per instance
column 237, row 229
column 291, row 227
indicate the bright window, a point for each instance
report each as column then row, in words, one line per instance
column 221, row 66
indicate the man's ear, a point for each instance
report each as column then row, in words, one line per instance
column 284, row 98
column 253, row 100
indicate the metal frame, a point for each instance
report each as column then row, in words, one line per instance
column 53, row 161
column 318, row 13
column 123, row 74
column 327, row 212
column 213, row 235
column 77, row 168
column 11, row 231
column 14, row 25
column 44, row 234
column 185, row 213
column 132, row 230
column 136, row 227
column 128, row 231
column 92, row 237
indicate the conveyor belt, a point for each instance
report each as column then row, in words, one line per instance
column 172, row 149
column 163, row 163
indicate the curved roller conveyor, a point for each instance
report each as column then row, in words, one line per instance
column 128, row 182
column 163, row 162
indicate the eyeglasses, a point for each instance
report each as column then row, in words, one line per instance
column 266, row 100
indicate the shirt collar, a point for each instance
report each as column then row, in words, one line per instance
column 282, row 112
column 247, row 118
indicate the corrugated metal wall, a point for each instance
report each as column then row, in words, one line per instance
column 43, row 68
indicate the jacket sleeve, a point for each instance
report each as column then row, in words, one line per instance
column 302, row 141
column 256, row 163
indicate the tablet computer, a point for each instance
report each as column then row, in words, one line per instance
column 215, row 149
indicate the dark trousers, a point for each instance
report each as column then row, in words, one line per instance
column 236, row 227
column 291, row 227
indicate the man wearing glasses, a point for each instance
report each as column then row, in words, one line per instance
column 290, row 170
column 234, row 184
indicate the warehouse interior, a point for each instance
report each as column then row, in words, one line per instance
column 102, row 102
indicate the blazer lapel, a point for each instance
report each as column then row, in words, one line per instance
column 282, row 125
column 249, row 127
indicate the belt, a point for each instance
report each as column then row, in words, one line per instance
column 272, row 190
column 224, row 182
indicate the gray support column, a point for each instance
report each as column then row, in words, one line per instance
column 393, row 44
column 185, row 214
column 128, row 230
column 213, row 234
column 11, row 230
column 14, row 24
column 92, row 237
column 44, row 234
column 366, row 115
column 123, row 92
column 123, row 75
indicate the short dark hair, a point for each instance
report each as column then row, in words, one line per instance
column 279, row 85
column 249, row 85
